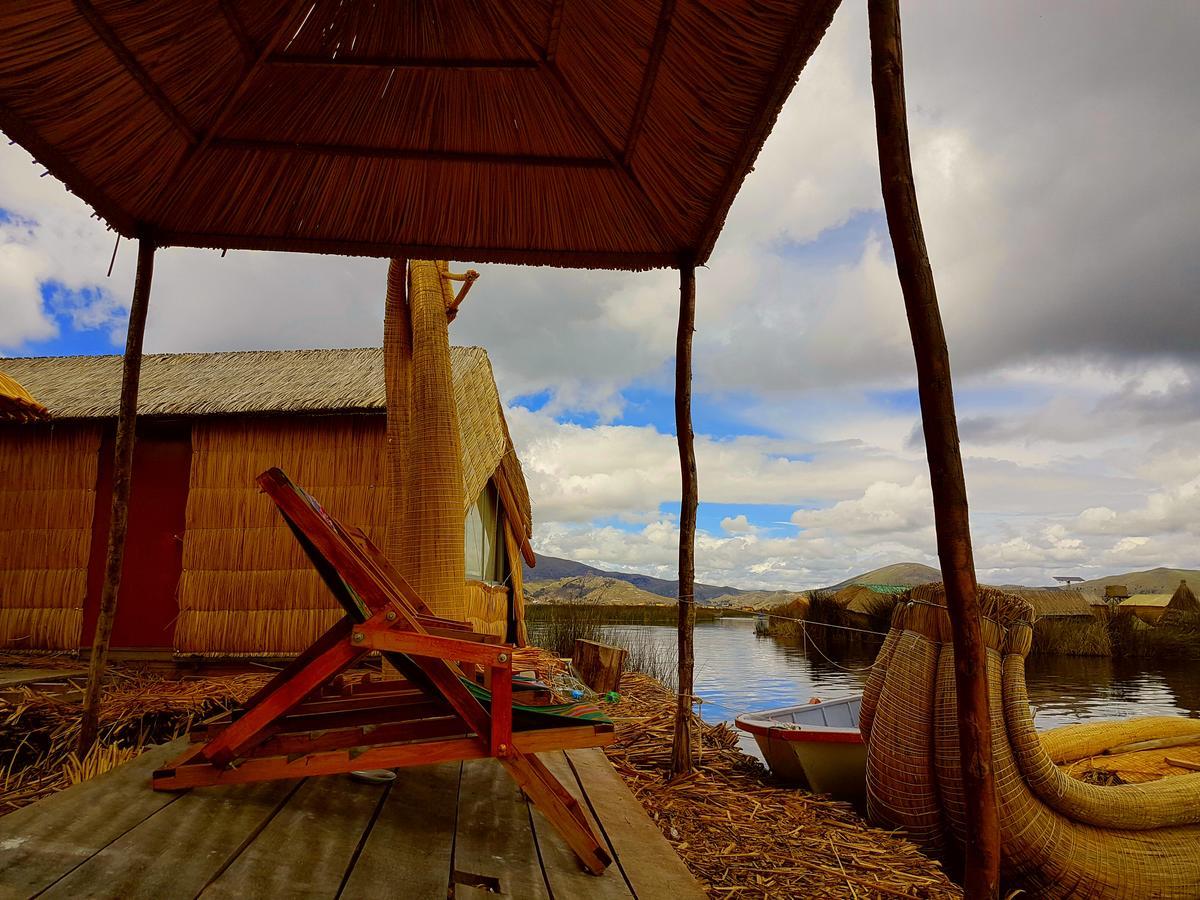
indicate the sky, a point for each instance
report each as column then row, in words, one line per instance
column 1057, row 158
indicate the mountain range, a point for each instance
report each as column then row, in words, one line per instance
column 557, row 580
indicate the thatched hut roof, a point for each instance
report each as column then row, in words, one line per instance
column 279, row 382
column 1184, row 600
column 1149, row 601
column 862, row 598
column 1055, row 602
column 17, row 404
column 607, row 135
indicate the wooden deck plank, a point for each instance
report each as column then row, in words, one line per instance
column 412, row 841
column 648, row 860
column 565, row 875
column 43, row 842
column 494, row 838
column 305, row 850
column 177, row 851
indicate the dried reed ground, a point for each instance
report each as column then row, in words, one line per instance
column 743, row 836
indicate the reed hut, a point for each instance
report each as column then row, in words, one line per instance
column 211, row 568
column 1147, row 607
column 1183, row 607
column 865, row 606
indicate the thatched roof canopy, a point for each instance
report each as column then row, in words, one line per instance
column 279, row 382
column 17, row 404
column 607, row 135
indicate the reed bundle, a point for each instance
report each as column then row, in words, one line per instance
column 16, row 403
column 744, row 836
column 39, row 731
column 487, row 607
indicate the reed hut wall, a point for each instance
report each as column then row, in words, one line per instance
column 244, row 586
column 47, row 502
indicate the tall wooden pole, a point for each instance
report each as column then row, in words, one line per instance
column 941, row 448
column 122, row 477
column 681, row 750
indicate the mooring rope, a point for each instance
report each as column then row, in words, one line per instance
column 771, row 616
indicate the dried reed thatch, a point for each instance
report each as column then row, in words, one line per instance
column 1183, row 607
column 744, row 836
column 47, row 498
column 1054, row 602
column 17, row 404
column 590, row 135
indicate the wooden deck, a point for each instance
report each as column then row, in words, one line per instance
column 459, row 830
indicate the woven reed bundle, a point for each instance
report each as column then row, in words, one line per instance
column 1071, row 743
column 431, row 531
column 47, row 502
column 17, row 404
column 1060, row 837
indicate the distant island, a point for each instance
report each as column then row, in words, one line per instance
column 557, row 580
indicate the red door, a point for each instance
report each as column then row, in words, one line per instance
column 146, row 604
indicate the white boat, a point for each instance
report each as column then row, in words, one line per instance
column 816, row 744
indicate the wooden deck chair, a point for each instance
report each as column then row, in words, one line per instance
column 313, row 718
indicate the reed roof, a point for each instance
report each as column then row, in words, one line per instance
column 1184, row 600
column 1054, row 602
column 597, row 135
column 1147, row 600
column 279, row 382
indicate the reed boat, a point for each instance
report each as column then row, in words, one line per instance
column 816, row 744
column 1060, row 836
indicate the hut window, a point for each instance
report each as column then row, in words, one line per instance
column 483, row 538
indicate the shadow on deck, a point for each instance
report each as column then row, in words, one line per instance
column 460, row 830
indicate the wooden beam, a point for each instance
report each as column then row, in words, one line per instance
column 399, row 62
column 238, row 30
column 941, row 447
column 515, row 517
column 122, row 479
column 681, row 748
column 556, row 14
column 414, row 155
column 134, row 68
column 648, row 78
column 577, row 259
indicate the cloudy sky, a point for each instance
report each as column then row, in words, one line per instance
column 1058, row 159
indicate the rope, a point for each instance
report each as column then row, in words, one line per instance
column 827, row 624
column 830, row 661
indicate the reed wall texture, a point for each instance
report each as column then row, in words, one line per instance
column 247, row 587
column 47, row 503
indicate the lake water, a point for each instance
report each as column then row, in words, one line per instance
column 738, row 671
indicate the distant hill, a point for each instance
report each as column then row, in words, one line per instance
column 552, row 568
column 906, row 573
column 1152, row 581
column 753, row 599
column 596, row 589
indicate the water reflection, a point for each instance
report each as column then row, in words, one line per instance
column 737, row 672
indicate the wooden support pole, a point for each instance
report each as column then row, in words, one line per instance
column 941, row 448
column 681, row 750
column 122, row 477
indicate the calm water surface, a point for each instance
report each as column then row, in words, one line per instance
column 738, row 671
